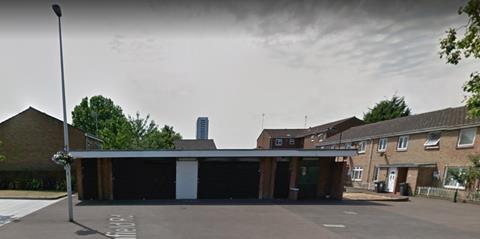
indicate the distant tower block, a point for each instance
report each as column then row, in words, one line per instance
column 202, row 128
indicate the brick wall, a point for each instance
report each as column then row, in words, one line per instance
column 31, row 138
column 447, row 155
column 263, row 141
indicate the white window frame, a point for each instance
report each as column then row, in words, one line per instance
column 348, row 146
column 362, row 148
column 291, row 141
column 312, row 138
column 433, row 143
column 405, row 142
column 278, row 142
column 357, row 174
column 457, row 184
column 460, row 137
column 383, row 149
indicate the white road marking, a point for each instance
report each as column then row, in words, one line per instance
column 334, row 225
column 14, row 209
column 350, row 213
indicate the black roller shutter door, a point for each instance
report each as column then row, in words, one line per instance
column 228, row 180
column 89, row 179
column 136, row 179
column 282, row 180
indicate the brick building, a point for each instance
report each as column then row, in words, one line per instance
column 417, row 149
column 306, row 138
column 30, row 139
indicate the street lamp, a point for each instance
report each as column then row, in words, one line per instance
column 58, row 11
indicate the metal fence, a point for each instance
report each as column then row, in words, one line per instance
column 448, row 193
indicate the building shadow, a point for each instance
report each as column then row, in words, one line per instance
column 87, row 231
column 228, row 202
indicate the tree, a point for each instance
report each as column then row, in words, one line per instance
column 146, row 135
column 387, row 109
column 468, row 177
column 101, row 117
column 1, row 156
column 468, row 46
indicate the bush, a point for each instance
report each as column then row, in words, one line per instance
column 36, row 180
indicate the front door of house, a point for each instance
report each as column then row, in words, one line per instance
column 392, row 176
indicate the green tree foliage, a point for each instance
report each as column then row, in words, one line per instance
column 146, row 135
column 467, row 176
column 1, row 156
column 453, row 49
column 100, row 116
column 387, row 109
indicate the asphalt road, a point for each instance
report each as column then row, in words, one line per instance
column 420, row 218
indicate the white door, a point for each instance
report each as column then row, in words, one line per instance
column 392, row 176
column 187, row 177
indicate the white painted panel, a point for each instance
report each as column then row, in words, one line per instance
column 187, row 176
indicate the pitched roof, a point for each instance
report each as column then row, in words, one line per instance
column 328, row 126
column 302, row 132
column 194, row 144
column 284, row 133
column 31, row 109
column 36, row 111
column 445, row 119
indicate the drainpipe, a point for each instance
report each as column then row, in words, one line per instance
column 370, row 163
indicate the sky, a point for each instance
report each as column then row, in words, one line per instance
column 232, row 61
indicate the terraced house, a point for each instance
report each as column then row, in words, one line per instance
column 417, row 149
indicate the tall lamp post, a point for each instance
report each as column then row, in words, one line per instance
column 58, row 11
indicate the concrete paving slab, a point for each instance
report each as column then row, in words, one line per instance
column 14, row 209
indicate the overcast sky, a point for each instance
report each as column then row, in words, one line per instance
column 230, row 61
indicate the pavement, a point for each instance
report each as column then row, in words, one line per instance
column 14, row 209
column 373, row 197
column 418, row 218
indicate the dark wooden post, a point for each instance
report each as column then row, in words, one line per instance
column 105, row 183
column 79, row 178
column 294, row 164
column 338, row 182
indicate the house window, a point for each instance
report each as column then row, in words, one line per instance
column 467, row 137
column 402, row 143
column 291, row 141
column 382, row 145
column 278, row 142
column 357, row 173
column 433, row 140
column 320, row 137
column 312, row 138
column 361, row 147
column 449, row 181
column 348, row 146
